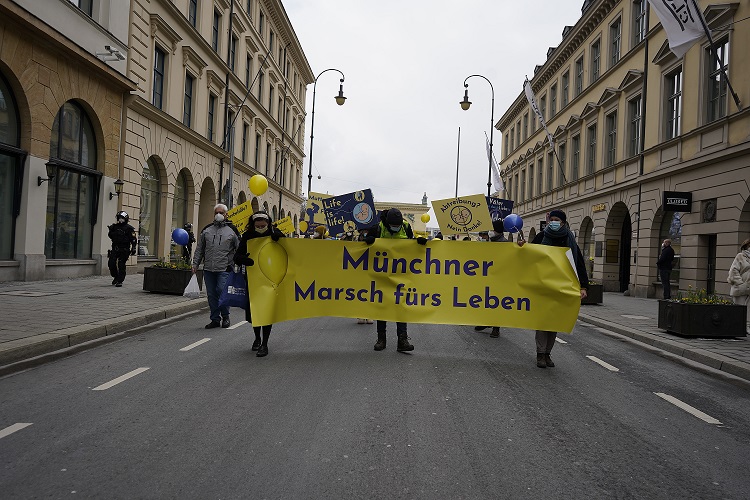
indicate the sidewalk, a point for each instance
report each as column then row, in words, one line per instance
column 44, row 320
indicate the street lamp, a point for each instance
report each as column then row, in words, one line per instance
column 340, row 100
column 465, row 104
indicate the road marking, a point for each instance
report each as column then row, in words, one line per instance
column 11, row 429
column 194, row 344
column 693, row 411
column 603, row 363
column 560, row 340
column 122, row 378
column 236, row 325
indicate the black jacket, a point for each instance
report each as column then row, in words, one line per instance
column 666, row 258
column 123, row 237
column 583, row 276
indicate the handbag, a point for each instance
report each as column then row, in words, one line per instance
column 192, row 290
column 235, row 291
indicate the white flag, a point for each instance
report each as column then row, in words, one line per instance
column 681, row 20
column 497, row 182
column 535, row 107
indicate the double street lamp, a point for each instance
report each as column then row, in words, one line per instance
column 340, row 100
column 465, row 104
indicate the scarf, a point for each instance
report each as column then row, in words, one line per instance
column 554, row 237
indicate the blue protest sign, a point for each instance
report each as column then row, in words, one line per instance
column 349, row 212
column 499, row 208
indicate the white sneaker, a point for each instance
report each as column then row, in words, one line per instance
column 361, row 321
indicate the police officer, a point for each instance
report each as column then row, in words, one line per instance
column 187, row 250
column 124, row 244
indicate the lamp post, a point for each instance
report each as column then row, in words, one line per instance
column 340, row 100
column 465, row 104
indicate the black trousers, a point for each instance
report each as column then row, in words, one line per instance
column 117, row 260
column 664, row 278
column 400, row 327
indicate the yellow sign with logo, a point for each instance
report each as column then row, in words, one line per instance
column 464, row 283
column 463, row 215
column 240, row 215
column 314, row 209
column 285, row 225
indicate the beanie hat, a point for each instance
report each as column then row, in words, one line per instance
column 559, row 214
column 497, row 225
column 394, row 217
column 260, row 215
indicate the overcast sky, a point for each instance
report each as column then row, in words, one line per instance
column 405, row 63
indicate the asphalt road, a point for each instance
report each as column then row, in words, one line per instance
column 325, row 416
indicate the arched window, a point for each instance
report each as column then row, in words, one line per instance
column 273, row 216
column 10, row 169
column 179, row 212
column 72, row 195
column 671, row 228
column 148, row 223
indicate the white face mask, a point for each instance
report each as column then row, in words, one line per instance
column 261, row 230
column 491, row 234
column 394, row 228
column 120, row 221
column 219, row 217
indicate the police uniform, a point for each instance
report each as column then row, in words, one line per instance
column 124, row 245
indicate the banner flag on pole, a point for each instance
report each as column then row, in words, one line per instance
column 535, row 107
column 681, row 20
column 496, row 180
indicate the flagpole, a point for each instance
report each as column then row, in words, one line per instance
column 716, row 56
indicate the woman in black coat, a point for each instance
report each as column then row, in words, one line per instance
column 259, row 227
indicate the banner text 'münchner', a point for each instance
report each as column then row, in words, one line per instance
column 380, row 262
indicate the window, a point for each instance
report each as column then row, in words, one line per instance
column 596, row 54
column 634, row 126
column 229, row 135
column 531, row 182
column 611, row 139
column 561, row 157
column 260, row 87
column 717, row 84
column 639, row 21
column 187, row 113
column 507, row 141
column 579, row 76
column 615, row 36
column 179, row 213
column 543, row 107
column 539, row 176
column 512, row 136
column 550, row 170
column 268, row 158
column 591, row 160
column 261, row 22
column 245, row 128
column 86, row 6
column 193, row 13
column 233, row 53
column 215, row 32
column 575, row 160
column 258, row 139
column 248, row 70
column 270, row 98
column 158, row 78
column 270, row 41
column 10, row 168
column 73, row 188
column 552, row 101
column 249, row 8
column 211, row 117
column 525, row 126
column 279, row 108
column 518, row 134
column 522, row 192
column 673, row 103
column 565, row 85
column 148, row 222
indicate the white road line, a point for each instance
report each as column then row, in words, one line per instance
column 122, row 378
column 194, row 344
column 560, row 340
column 237, row 324
column 603, row 363
column 693, row 411
column 11, row 429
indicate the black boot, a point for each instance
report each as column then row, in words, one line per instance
column 380, row 344
column 540, row 361
column 403, row 343
column 548, row 361
column 495, row 332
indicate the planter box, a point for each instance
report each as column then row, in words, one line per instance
column 172, row 281
column 702, row 320
column 594, row 295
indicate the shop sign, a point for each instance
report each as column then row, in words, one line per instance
column 677, row 201
column 600, row 207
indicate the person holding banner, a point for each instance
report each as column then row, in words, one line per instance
column 556, row 233
column 392, row 225
column 259, row 227
column 496, row 235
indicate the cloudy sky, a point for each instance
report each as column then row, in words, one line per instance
column 405, row 63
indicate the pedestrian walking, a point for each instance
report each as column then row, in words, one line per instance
column 259, row 227
column 739, row 278
column 664, row 265
column 124, row 244
column 187, row 250
column 216, row 247
column 497, row 235
column 557, row 233
column 392, row 226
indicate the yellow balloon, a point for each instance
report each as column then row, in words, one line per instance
column 425, row 218
column 273, row 262
column 258, row 184
column 303, row 226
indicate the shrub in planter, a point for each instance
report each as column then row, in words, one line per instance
column 699, row 314
column 169, row 277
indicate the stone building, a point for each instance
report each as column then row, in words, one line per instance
column 634, row 125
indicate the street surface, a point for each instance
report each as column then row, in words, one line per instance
column 171, row 414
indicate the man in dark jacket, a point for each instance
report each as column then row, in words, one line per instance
column 556, row 233
column 664, row 265
column 124, row 244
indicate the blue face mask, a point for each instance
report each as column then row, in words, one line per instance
column 394, row 228
column 555, row 225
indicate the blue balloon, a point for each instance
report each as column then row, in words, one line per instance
column 180, row 236
column 513, row 223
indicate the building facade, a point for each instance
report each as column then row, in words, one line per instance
column 632, row 125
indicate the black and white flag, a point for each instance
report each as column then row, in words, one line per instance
column 681, row 20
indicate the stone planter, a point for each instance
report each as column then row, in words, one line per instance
column 702, row 320
column 594, row 295
column 171, row 281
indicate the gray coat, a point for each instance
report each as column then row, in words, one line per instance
column 216, row 246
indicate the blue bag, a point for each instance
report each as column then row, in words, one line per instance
column 235, row 291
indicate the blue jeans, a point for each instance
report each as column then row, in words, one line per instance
column 216, row 281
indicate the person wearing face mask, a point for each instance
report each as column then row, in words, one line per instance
column 124, row 244
column 556, row 233
column 496, row 235
column 216, row 247
column 392, row 226
column 260, row 226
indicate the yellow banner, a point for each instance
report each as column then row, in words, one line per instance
column 285, row 225
column 240, row 215
column 445, row 282
column 463, row 215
